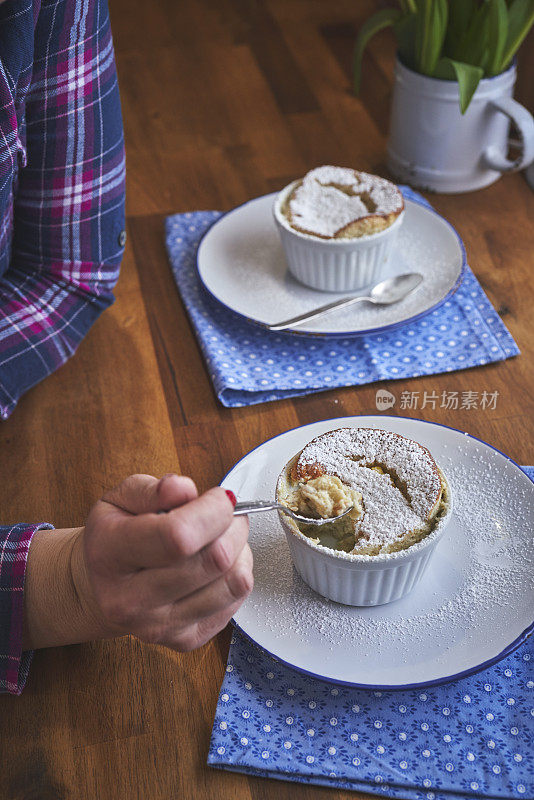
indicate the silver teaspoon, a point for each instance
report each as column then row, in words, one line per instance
column 254, row 506
column 383, row 294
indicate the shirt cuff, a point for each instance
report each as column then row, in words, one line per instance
column 15, row 542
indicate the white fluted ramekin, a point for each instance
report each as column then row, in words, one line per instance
column 362, row 580
column 334, row 265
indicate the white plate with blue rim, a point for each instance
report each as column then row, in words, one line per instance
column 473, row 606
column 241, row 263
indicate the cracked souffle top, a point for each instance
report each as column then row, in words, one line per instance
column 340, row 203
column 397, row 490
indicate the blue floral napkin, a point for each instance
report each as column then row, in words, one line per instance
column 248, row 364
column 469, row 738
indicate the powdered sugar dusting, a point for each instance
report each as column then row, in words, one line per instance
column 494, row 569
column 475, row 598
column 320, row 207
column 245, row 268
column 389, row 515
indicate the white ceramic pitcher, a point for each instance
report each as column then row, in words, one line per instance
column 433, row 146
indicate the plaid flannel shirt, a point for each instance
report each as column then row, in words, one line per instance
column 61, row 221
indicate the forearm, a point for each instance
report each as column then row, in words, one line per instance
column 57, row 607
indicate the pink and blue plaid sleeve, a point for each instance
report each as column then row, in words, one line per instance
column 68, row 211
column 14, row 663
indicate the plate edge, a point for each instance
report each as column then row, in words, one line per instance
column 510, row 648
column 331, row 334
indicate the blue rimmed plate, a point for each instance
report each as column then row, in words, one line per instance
column 241, row 263
column 473, row 606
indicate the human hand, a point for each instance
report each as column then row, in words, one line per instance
column 173, row 578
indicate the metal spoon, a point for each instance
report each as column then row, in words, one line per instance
column 254, row 506
column 383, row 294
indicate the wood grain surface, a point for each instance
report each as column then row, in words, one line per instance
column 223, row 100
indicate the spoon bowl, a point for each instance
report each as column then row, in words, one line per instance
column 394, row 289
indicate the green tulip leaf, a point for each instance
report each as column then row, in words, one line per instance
column 408, row 6
column 497, row 35
column 460, row 15
column 460, row 40
column 382, row 19
column 405, row 32
column 431, row 27
column 475, row 47
column 467, row 75
column 520, row 20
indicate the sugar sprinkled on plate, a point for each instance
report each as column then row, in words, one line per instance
column 496, row 562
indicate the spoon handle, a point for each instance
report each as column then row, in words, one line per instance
column 253, row 506
column 318, row 312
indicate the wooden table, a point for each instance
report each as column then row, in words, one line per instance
column 223, row 100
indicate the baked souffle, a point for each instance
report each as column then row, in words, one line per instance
column 341, row 203
column 397, row 491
